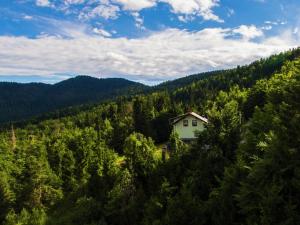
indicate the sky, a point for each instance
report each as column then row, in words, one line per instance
column 148, row 41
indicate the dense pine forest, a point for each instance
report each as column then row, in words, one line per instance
column 103, row 165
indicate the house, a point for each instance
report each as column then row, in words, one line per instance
column 187, row 125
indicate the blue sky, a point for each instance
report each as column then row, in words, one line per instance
column 143, row 40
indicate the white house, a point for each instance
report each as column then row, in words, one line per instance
column 187, row 125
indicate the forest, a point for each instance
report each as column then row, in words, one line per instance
column 103, row 165
column 23, row 101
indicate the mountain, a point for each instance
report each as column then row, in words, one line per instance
column 22, row 101
column 243, row 75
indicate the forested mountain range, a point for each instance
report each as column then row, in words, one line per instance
column 22, row 101
column 103, row 164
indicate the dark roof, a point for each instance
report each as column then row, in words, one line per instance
column 178, row 118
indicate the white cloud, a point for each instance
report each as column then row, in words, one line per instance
column 73, row 2
column 195, row 7
column 135, row 5
column 271, row 22
column 27, row 17
column 101, row 32
column 164, row 55
column 43, row 3
column 63, row 29
column 275, row 23
column 268, row 27
column 138, row 20
column 186, row 7
column 248, row 32
column 106, row 11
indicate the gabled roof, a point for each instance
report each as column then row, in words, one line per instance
column 181, row 117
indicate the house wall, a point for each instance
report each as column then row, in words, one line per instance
column 189, row 131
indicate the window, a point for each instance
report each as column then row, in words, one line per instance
column 185, row 123
column 194, row 123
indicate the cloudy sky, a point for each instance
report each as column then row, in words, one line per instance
column 143, row 40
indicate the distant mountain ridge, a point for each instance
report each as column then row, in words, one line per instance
column 23, row 101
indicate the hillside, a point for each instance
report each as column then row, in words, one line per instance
column 101, row 165
column 22, row 101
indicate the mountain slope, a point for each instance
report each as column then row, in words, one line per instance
column 22, row 101
column 243, row 75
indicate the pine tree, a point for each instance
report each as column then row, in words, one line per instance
column 13, row 138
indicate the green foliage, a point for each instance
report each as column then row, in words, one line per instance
column 139, row 153
column 177, row 147
column 35, row 217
